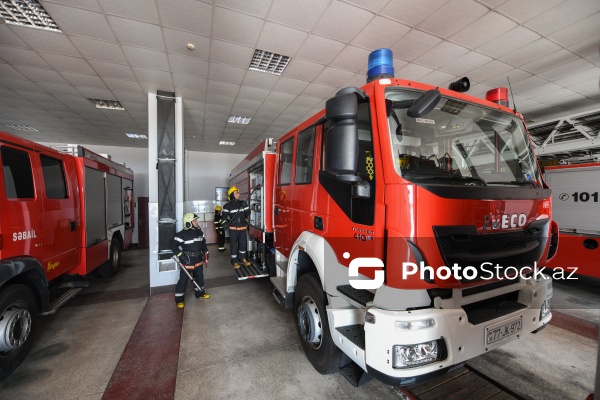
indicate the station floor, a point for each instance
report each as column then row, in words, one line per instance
column 113, row 341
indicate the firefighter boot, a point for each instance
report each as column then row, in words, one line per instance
column 181, row 304
column 246, row 262
column 236, row 265
column 201, row 294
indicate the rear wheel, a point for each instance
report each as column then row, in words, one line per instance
column 313, row 325
column 111, row 267
column 18, row 322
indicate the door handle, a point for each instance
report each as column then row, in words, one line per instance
column 319, row 223
column 276, row 211
column 73, row 226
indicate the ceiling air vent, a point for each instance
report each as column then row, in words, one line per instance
column 21, row 127
column 236, row 119
column 107, row 104
column 265, row 61
column 27, row 13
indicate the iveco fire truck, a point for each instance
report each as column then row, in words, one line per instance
column 407, row 223
column 61, row 214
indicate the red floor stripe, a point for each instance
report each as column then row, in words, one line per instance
column 148, row 366
column 575, row 324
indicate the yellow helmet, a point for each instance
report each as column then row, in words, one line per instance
column 187, row 220
column 218, row 208
column 231, row 190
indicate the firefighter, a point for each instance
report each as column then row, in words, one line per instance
column 220, row 229
column 189, row 246
column 235, row 213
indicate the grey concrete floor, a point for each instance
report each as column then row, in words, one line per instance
column 241, row 344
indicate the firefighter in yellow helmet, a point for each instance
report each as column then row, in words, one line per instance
column 235, row 213
column 190, row 247
column 219, row 228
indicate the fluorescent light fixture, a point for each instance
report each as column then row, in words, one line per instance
column 224, row 143
column 265, row 61
column 107, row 104
column 27, row 13
column 236, row 119
column 21, row 128
column 136, row 136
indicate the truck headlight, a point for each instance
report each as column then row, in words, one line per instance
column 545, row 309
column 414, row 325
column 414, row 355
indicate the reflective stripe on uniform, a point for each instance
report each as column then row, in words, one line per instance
column 179, row 294
column 178, row 239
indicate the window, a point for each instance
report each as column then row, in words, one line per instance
column 18, row 177
column 285, row 162
column 304, row 156
column 54, row 178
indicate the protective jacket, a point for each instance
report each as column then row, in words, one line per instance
column 218, row 220
column 190, row 246
column 235, row 213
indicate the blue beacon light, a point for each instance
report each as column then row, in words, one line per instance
column 381, row 65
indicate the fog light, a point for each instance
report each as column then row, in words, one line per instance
column 414, row 325
column 545, row 310
column 414, row 355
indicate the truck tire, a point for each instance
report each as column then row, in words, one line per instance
column 18, row 323
column 111, row 267
column 313, row 325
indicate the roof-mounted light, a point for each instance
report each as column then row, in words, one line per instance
column 498, row 96
column 381, row 64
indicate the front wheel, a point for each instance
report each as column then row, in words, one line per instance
column 313, row 325
column 18, row 322
column 111, row 267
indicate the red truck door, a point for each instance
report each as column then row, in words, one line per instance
column 61, row 228
column 21, row 206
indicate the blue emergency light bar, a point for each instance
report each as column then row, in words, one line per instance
column 381, row 64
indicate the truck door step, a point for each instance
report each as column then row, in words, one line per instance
column 354, row 333
column 62, row 300
column 355, row 374
column 360, row 296
column 252, row 271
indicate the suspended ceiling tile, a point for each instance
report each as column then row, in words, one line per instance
column 68, row 64
column 413, row 72
column 42, row 75
column 141, row 10
column 177, row 42
column 524, row 10
column 570, row 68
column 188, row 15
column 128, row 97
column 533, row 51
column 154, row 76
column 260, row 80
column 43, row 40
column 16, row 56
column 227, row 89
column 371, row 5
column 188, row 66
column 251, row 105
column 9, row 38
column 298, row 14
column 258, row 8
column 111, row 70
column 252, row 93
column 439, row 78
column 95, row 93
column 280, row 39
column 578, row 32
column 190, row 82
column 226, row 73
column 54, row 88
column 419, row 11
column 333, row 77
column 540, row 90
column 414, row 44
column 452, row 17
column 515, row 75
column 319, row 49
column 550, row 61
column 587, row 88
column 319, row 90
column 146, row 58
column 508, row 42
column 563, row 15
column 489, row 70
column 381, row 32
column 136, row 33
column 84, row 80
column 486, row 28
column 352, row 59
column 466, row 63
column 342, row 21
column 527, row 84
column 189, row 94
column 230, row 54
column 79, row 22
column 441, row 54
column 99, row 50
column 302, row 69
column 273, row 108
column 280, row 98
column 587, row 48
column 122, row 85
column 18, row 84
column 289, row 85
column 357, row 80
column 236, row 27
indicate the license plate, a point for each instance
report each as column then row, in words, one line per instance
column 495, row 334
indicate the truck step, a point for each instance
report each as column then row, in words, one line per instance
column 360, row 296
column 62, row 300
column 283, row 265
column 355, row 374
column 354, row 333
column 280, row 291
column 250, row 272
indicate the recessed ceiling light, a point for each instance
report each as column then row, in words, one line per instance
column 236, row 119
column 265, row 61
column 136, row 136
column 27, row 13
column 107, row 104
column 224, row 143
column 21, row 127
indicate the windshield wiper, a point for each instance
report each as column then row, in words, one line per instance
column 520, row 183
column 450, row 178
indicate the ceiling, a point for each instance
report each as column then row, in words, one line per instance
column 122, row 50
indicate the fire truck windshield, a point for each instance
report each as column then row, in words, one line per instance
column 459, row 143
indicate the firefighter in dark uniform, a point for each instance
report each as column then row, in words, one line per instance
column 189, row 245
column 235, row 213
column 219, row 228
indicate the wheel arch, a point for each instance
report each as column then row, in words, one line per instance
column 29, row 272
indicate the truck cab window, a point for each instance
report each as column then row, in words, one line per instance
column 18, row 178
column 304, row 156
column 54, row 178
column 285, row 162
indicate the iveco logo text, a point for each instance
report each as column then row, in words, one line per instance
column 504, row 221
column 24, row 235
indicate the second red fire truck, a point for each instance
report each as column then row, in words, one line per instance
column 405, row 222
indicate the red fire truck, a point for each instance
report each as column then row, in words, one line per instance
column 575, row 208
column 61, row 215
column 407, row 222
